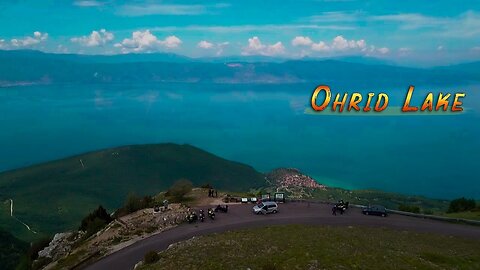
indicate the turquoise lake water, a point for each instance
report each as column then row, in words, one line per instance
column 262, row 125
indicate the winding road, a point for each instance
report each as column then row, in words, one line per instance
column 240, row 216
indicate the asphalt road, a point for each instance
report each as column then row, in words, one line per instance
column 240, row 216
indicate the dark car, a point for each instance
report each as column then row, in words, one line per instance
column 376, row 210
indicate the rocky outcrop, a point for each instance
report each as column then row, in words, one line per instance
column 60, row 246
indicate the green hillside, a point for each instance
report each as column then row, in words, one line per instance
column 54, row 196
column 11, row 249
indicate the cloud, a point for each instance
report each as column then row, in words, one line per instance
column 2, row 43
column 219, row 47
column 205, row 44
column 95, row 39
column 339, row 44
column 88, row 3
column 320, row 46
column 384, row 50
column 30, row 40
column 135, row 10
column 336, row 16
column 301, row 41
column 464, row 25
column 411, row 20
column 249, row 28
column 440, row 48
column 256, row 47
column 147, row 42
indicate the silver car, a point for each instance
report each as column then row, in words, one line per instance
column 265, row 208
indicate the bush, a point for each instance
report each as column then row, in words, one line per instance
column 134, row 203
column 409, row 208
column 95, row 221
column 37, row 246
column 151, row 257
column 461, row 205
column 179, row 189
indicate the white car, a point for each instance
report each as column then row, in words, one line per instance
column 265, row 208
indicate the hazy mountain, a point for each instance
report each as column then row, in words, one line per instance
column 29, row 67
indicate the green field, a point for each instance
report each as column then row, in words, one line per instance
column 317, row 247
column 54, row 196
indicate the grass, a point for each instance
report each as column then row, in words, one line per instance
column 318, row 247
column 54, row 196
column 388, row 199
column 474, row 215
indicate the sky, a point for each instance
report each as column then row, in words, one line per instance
column 423, row 32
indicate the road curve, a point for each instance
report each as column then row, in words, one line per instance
column 240, row 216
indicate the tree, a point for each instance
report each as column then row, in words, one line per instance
column 461, row 205
column 132, row 203
column 95, row 221
column 179, row 189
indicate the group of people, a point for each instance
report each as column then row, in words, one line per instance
column 212, row 193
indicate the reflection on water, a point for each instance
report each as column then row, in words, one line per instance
column 263, row 125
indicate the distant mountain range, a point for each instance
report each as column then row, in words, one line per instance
column 33, row 67
column 54, row 196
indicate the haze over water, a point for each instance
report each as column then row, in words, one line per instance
column 262, row 125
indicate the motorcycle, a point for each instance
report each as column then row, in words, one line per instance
column 220, row 208
column 192, row 217
column 201, row 216
column 211, row 213
column 342, row 206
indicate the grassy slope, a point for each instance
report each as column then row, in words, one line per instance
column 11, row 249
column 54, row 196
column 314, row 247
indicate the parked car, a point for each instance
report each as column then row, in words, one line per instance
column 376, row 210
column 265, row 208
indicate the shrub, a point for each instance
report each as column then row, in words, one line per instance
column 179, row 189
column 95, row 221
column 37, row 246
column 461, row 205
column 151, row 257
column 409, row 208
column 134, row 203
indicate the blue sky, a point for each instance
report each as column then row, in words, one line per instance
column 424, row 32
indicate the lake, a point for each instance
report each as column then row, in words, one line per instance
column 264, row 125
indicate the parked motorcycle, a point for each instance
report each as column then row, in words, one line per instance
column 342, row 206
column 221, row 208
column 211, row 213
column 192, row 217
column 201, row 216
